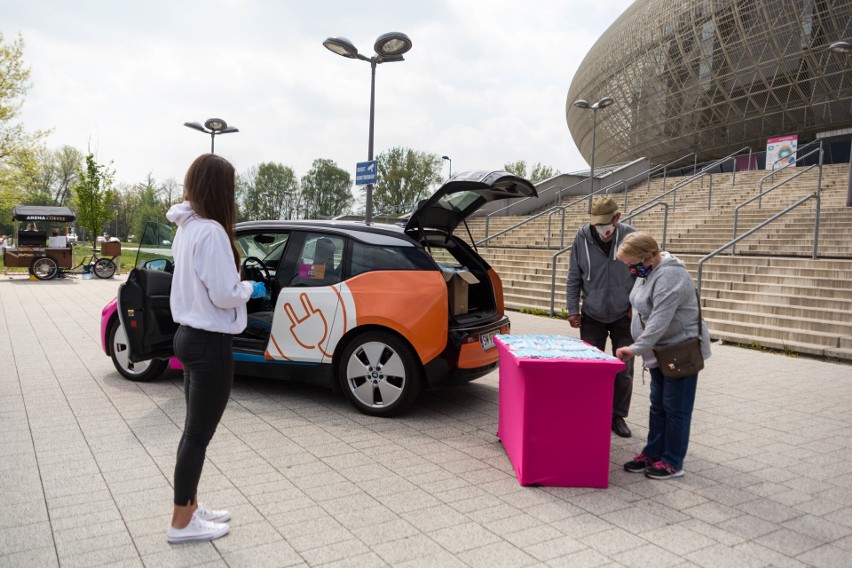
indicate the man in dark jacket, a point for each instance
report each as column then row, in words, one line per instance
column 604, row 282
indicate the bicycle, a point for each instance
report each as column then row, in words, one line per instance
column 47, row 268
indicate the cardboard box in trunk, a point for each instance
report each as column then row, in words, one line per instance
column 458, row 282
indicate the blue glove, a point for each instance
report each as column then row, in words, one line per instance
column 258, row 289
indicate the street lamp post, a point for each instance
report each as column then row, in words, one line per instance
column 212, row 126
column 845, row 48
column 603, row 103
column 389, row 48
column 451, row 165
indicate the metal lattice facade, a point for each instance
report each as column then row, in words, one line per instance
column 712, row 76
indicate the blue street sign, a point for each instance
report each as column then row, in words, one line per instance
column 365, row 173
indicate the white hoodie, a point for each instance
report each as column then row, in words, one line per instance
column 206, row 289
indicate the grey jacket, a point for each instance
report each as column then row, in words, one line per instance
column 603, row 280
column 665, row 310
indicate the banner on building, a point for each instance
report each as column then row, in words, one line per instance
column 781, row 151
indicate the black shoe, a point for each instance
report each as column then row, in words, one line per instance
column 662, row 470
column 619, row 426
column 638, row 464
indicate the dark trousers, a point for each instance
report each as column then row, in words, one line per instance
column 672, row 401
column 595, row 333
column 208, row 374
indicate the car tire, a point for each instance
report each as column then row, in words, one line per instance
column 140, row 372
column 104, row 268
column 380, row 374
column 44, row 268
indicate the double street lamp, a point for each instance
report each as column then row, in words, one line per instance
column 451, row 165
column 389, row 48
column 212, row 126
column 603, row 103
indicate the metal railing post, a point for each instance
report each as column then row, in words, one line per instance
column 818, row 206
column 710, row 195
column 485, row 240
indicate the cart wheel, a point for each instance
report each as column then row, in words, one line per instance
column 44, row 268
column 104, row 268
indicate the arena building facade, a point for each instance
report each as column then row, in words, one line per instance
column 713, row 76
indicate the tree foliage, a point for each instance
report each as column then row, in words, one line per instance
column 267, row 191
column 94, row 197
column 326, row 191
column 18, row 149
column 539, row 171
column 405, row 176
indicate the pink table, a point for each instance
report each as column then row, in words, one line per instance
column 555, row 416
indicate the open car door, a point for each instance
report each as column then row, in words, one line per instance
column 143, row 307
column 143, row 301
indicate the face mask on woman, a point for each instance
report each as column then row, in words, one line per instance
column 639, row 270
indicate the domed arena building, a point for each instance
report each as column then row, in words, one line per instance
column 710, row 77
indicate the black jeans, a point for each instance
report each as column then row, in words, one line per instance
column 595, row 333
column 208, row 374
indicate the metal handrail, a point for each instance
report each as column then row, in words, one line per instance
column 568, row 248
column 772, row 175
column 760, row 226
column 791, row 178
column 665, row 168
column 493, row 213
column 704, row 172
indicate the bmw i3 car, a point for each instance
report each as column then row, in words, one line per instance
column 379, row 312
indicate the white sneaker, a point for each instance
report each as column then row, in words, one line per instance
column 197, row 529
column 212, row 515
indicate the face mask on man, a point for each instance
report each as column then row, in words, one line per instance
column 605, row 232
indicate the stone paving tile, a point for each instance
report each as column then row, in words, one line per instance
column 87, row 461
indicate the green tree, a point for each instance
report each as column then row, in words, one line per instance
column 518, row 168
column 58, row 173
column 405, row 176
column 94, row 197
column 18, row 150
column 326, row 191
column 539, row 171
column 267, row 192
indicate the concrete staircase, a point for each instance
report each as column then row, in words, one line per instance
column 771, row 294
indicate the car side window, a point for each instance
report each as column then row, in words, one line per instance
column 366, row 258
column 320, row 261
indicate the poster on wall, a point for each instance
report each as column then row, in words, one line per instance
column 781, row 151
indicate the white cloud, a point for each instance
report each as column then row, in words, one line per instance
column 485, row 82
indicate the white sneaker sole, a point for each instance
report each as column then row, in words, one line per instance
column 223, row 519
column 213, row 535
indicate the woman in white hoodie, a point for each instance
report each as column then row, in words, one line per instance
column 665, row 312
column 208, row 300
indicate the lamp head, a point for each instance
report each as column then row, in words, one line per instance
column 445, row 158
column 341, row 46
column 216, row 124
column 842, row 47
column 392, row 44
column 195, row 126
column 604, row 102
column 580, row 103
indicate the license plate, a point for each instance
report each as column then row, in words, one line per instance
column 487, row 340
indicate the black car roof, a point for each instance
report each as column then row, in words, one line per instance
column 355, row 229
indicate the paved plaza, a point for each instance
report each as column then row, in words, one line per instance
column 86, row 461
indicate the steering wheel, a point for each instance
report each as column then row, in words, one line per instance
column 252, row 271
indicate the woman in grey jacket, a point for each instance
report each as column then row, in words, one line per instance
column 665, row 310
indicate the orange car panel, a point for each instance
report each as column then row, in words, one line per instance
column 473, row 356
column 498, row 290
column 412, row 303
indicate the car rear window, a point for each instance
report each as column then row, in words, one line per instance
column 372, row 257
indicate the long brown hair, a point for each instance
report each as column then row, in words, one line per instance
column 209, row 187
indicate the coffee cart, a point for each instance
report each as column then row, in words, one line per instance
column 42, row 255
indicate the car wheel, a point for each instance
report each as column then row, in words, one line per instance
column 142, row 371
column 44, row 268
column 104, row 268
column 380, row 374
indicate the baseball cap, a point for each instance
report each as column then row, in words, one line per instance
column 604, row 209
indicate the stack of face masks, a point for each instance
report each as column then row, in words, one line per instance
column 552, row 347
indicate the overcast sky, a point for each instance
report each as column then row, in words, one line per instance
column 484, row 83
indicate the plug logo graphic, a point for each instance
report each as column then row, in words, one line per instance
column 309, row 328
